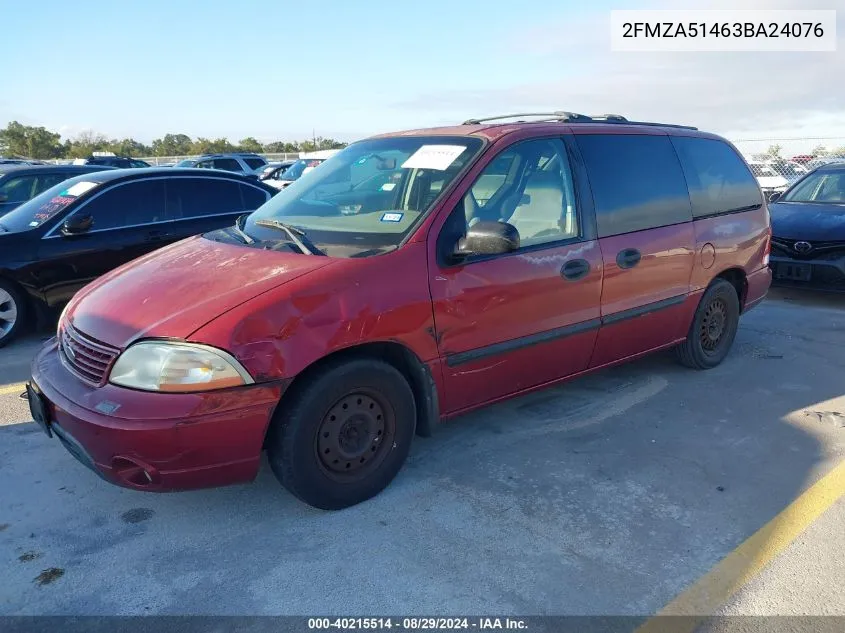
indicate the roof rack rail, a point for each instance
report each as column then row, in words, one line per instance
column 561, row 116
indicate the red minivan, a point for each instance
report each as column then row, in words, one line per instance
column 409, row 279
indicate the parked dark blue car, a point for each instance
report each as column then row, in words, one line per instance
column 19, row 183
column 808, row 231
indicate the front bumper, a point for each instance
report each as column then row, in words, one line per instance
column 827, row 275
column 156, row 441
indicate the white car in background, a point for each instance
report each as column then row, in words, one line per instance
column 770, row 181
column 307, row 161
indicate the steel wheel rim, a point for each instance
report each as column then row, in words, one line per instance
column 355, row 435
column 8, row 313
column 714, row 324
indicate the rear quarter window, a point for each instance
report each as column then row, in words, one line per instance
column 636, row 180
column 719, row 181
column 253, row 197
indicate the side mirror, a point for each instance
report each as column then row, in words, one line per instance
column 77, row 225
column 488, row 238
column 774, row 197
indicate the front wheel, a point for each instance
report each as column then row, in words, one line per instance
column 343, row 437
column 12, row 312
column 713, row 328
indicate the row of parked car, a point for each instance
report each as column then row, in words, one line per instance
column 408, row 279
column 278, row 174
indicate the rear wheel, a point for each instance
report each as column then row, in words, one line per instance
column 12, row 312
column 713, row 328
column 343, row 438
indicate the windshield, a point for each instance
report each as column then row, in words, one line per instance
column 368, row 197
column 820, row 186
column 46, row 205
column 188, row 162
column 300, row 167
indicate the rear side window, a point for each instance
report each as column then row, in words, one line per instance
column 229, row 164
column 253, row 197
column 637, row 182
column 718, row 179
column 197, row 197
column 130, row 204
column 255, row 163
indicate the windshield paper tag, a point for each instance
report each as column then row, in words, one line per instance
column 392, row 217
column 79, row 188
column 434, row 157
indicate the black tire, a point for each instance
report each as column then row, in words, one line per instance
column 329, row 445
column 713, row 327
column 11, row 299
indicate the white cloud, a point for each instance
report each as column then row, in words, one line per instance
column 741, row 95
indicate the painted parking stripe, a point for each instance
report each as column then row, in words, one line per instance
column 16, row 389
column 716, row 587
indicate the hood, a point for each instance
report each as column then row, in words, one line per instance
column 178, row 289
column 808, row 221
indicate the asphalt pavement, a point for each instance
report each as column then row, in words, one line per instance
column 612, row 494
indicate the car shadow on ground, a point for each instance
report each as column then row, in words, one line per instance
column 605, row 495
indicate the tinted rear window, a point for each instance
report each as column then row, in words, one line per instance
column 255, row 163
column 636, row 180
column 253, row 196
column 718, row 179
column 200, row 197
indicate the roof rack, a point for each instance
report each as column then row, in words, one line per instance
column 561, row 116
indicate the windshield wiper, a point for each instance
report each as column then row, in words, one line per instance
column 297, row 236
column 244, row 236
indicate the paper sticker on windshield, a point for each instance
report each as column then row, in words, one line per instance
column 392, row 217
column 79, row 188
column 388, row 186
column 434, row 157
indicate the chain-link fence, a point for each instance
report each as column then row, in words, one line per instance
column 779, row 162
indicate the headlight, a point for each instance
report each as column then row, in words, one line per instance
column 177, row 367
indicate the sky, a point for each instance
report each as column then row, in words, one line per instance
column 343, row 69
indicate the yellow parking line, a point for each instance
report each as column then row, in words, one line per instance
column 15, row 389
column 712, row 590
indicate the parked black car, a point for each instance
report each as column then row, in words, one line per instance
column 54, row 244
column 116, row 161
column 19, row 183
column 808, row 231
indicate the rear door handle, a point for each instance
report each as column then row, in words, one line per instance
column 157, row 236
column 628, row 258
column 575, row 269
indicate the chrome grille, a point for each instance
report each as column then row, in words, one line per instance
column 818, row 250
column 88, row 359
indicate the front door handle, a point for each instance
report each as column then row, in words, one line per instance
column 628, row 258
column 575, row 269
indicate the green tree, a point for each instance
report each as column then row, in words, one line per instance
column 207, row 146
column 172, row 145
column 774, row 151
column 278, row 147
column 86, row 143
column 128, row 147
column 838, row 152
column 249, row 144
column 30, row 142
column 819, row 150
column 329, row 143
